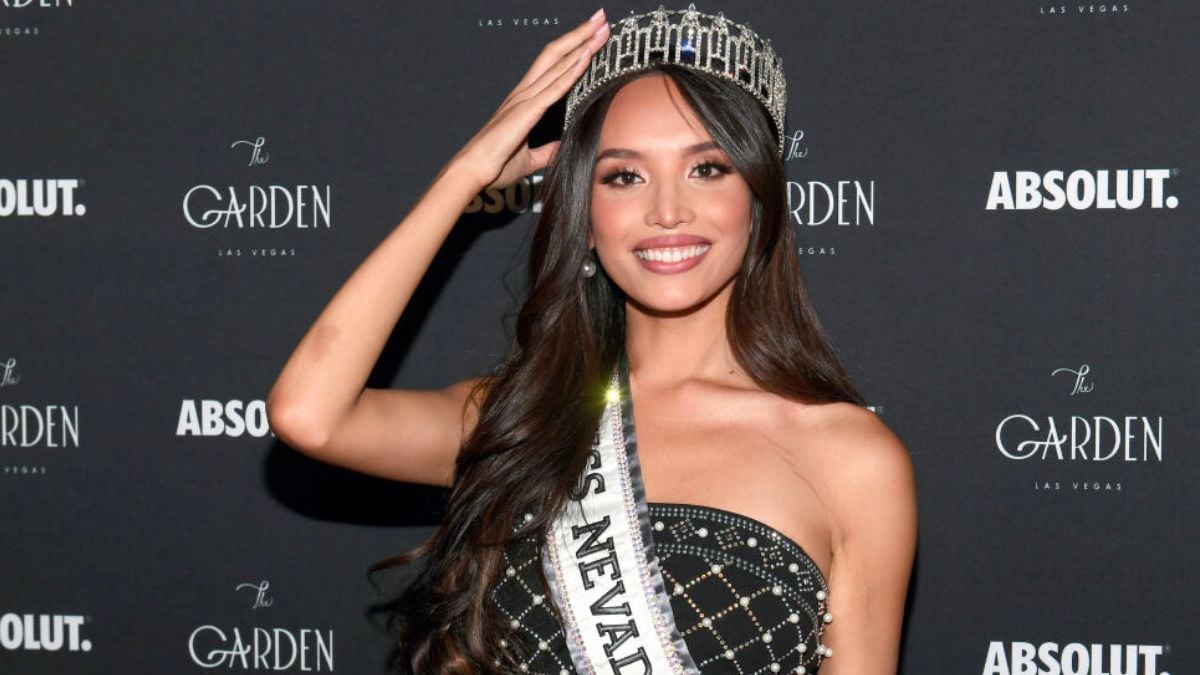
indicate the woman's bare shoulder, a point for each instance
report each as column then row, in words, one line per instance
column 850, row 450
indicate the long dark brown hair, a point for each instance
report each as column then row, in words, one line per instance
column 538, row 412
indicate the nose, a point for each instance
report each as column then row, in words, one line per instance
column 669, row 205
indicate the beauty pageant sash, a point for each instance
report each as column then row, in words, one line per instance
column 599, row 560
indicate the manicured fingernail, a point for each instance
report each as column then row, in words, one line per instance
column 597, row 16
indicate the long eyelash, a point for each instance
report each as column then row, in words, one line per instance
column 612, row 177
column 720, row 167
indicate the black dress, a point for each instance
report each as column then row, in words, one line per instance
column 746, row 599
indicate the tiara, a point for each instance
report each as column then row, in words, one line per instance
column 703, row 42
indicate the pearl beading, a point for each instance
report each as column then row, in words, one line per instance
column 786, row 596
column 726, row 541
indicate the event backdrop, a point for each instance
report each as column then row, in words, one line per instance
column 997, row 206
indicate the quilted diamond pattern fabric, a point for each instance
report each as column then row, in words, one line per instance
column 746, row 599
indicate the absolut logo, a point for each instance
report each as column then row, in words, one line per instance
column 1072, row 658
column 41, row 197
column 208, row 417
column 1081, row 190
column 260, row 648
column 257, row 207
column 43, row 632
column 518, row 197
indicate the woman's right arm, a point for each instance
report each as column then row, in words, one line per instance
column 320, row 404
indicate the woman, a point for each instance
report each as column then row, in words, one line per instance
column 757, row 499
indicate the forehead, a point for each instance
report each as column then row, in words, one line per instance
column 651, row 113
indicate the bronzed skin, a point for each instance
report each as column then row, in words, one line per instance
column 832, row 477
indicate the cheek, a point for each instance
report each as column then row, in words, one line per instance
column 606, row 223
column 731, row 212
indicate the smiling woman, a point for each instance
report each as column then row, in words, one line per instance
column 666, row 200
column 754, row 500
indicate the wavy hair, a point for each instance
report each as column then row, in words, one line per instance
column 538, row 412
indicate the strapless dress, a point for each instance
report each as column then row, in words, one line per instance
column 746, row 599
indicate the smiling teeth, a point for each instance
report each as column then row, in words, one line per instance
column 670, row 255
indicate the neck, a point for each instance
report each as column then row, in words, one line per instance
column 671, row 348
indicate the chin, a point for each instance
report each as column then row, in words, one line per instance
column 671, row 303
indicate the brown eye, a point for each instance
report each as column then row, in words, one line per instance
column 620, row 178
column 709, row 170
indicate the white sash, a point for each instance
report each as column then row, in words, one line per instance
column 600, row 562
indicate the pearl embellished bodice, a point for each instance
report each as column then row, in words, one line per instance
column 746, row 599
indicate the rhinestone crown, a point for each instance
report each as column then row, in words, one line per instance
column 703, row 42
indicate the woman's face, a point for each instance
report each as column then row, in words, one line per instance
column 670, row 215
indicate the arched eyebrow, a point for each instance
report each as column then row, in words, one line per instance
column 626, row 153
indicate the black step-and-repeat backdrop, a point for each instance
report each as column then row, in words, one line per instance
column 997, row 205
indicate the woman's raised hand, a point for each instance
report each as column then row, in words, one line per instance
column 320, row 403
column 500, row 154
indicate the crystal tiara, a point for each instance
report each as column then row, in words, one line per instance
column 703, row 42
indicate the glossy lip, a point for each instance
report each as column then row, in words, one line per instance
column 672, row 241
